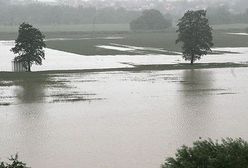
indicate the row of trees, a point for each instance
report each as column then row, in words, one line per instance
column 48, row 15
column 222, row 15
column 38, row 13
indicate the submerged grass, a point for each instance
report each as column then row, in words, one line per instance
column 43, row 76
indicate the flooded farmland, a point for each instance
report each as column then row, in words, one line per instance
column 118, row 118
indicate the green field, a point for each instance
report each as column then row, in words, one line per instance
column 66, row 31
column 164, row 40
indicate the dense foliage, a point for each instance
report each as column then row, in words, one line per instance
column 150, row 20
column 195, row 34
column 229, row 153
column 29, row 46
column 15, row 163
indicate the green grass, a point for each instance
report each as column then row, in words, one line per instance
column 73, row 28
column 230, row 27
column 88, row 47
column 66, row 31
column 165, row 40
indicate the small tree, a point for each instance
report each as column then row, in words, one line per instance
column 29, row 46
column 195, row 34
column 229, row 153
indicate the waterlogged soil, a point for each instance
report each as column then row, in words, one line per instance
column 118, row 119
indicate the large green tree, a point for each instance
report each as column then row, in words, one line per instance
column 195, row 35
column 29, row 46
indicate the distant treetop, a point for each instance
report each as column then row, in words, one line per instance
column 150, row 20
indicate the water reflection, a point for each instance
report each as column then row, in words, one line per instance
column 30, row 90
column 196, row 89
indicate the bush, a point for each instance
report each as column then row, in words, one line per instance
column 15, row 163
column 229, row 153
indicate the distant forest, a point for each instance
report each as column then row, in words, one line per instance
column 48, row 14
column 44, row 14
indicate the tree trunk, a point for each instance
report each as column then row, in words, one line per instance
column 192, row 59
column 29, row 67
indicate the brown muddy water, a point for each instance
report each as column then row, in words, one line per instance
column 119, row 119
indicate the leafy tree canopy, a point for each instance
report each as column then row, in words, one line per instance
column 229, row 153
column 195, row 34
column 29, row 46
column 150, row 20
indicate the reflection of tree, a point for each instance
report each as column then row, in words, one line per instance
column 31, row 90
column 195, row 98
column 196, row 82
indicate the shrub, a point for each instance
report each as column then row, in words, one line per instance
column 15, row 163
column 229, row 153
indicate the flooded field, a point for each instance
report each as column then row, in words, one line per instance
column 118, row 118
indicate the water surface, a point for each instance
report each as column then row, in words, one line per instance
column 122, row 119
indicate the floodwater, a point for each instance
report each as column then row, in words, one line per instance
column 120, row 119
column 239, row 34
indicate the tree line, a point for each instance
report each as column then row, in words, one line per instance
column 222, row 15
column 44, row 14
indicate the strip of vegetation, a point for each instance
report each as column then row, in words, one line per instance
column 40, row 75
